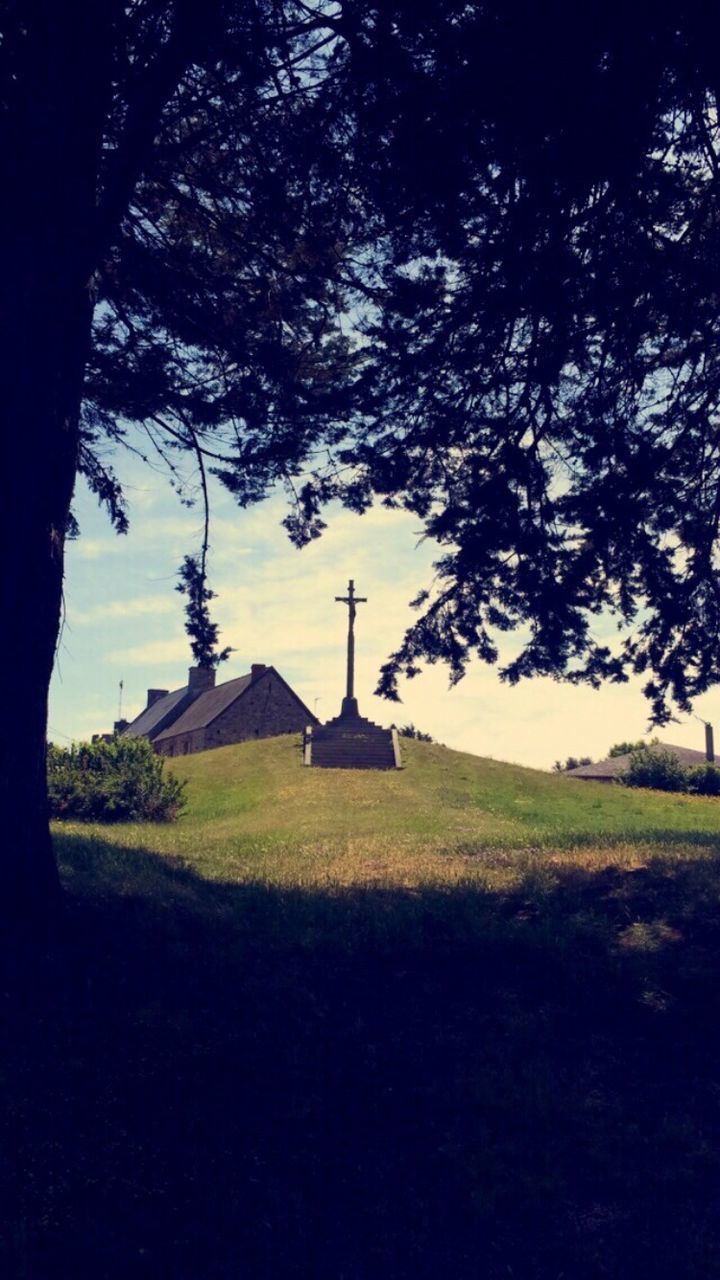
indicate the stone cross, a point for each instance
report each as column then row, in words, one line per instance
column 349, row 703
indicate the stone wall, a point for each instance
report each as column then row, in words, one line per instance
column 266, row 709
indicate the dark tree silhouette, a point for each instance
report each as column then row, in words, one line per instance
column 167, row 241
column 511, row 210
column 541, row 372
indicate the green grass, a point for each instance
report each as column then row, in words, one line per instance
column 256, row 813
column 455, row 1021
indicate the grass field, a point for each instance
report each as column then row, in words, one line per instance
column 459, row 1020
column 255, row 813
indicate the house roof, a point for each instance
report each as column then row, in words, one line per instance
column 618, row 765
column 207, row 706
column 153, row 718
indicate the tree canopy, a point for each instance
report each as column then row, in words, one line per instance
column 458, row 258
column 455, row 257
column 540, row 383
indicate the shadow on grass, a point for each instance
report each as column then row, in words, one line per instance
column 545, row 839
column 208, row 1080
column 648, row 836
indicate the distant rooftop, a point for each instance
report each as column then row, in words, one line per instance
column 615, row 766
column 148, row 721
column 206, row 707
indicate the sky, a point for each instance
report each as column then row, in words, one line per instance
column 275, row 604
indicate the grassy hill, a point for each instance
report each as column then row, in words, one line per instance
column 254, row 812
column 455, row 1021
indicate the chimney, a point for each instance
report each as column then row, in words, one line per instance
column 200, row 679
column 257, row 669
column 709, row 743
column 153, row 695
column 120, row 726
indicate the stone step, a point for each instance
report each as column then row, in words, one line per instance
column 379, row 757
column 353, row 744
column 350, row 724
column 332, row 760
column 343, row 749
column 321, row 735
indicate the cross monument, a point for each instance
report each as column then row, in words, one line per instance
column 349, row 702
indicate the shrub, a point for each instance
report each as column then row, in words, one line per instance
column 659, row 769
column 572, row 762
column 624, row 748
column 704, row 780
column 120, row 780
column 409, row 731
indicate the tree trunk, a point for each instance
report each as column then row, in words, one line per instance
column 40, row 407
column 45, row 344
column 55, row 90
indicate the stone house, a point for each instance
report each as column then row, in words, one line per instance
column 202, row 714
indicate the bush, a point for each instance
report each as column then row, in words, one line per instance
column 624, row 748
column 409, row 731
column 659, row 769
column 704, row 780
column 572, row 762
column 120, row 780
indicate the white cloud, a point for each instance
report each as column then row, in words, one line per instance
column 155, row 653
column 97, row 548
column 135, row 607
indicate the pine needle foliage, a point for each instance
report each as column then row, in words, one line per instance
column 394, row 254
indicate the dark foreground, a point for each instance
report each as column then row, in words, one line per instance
column 372, row 1083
